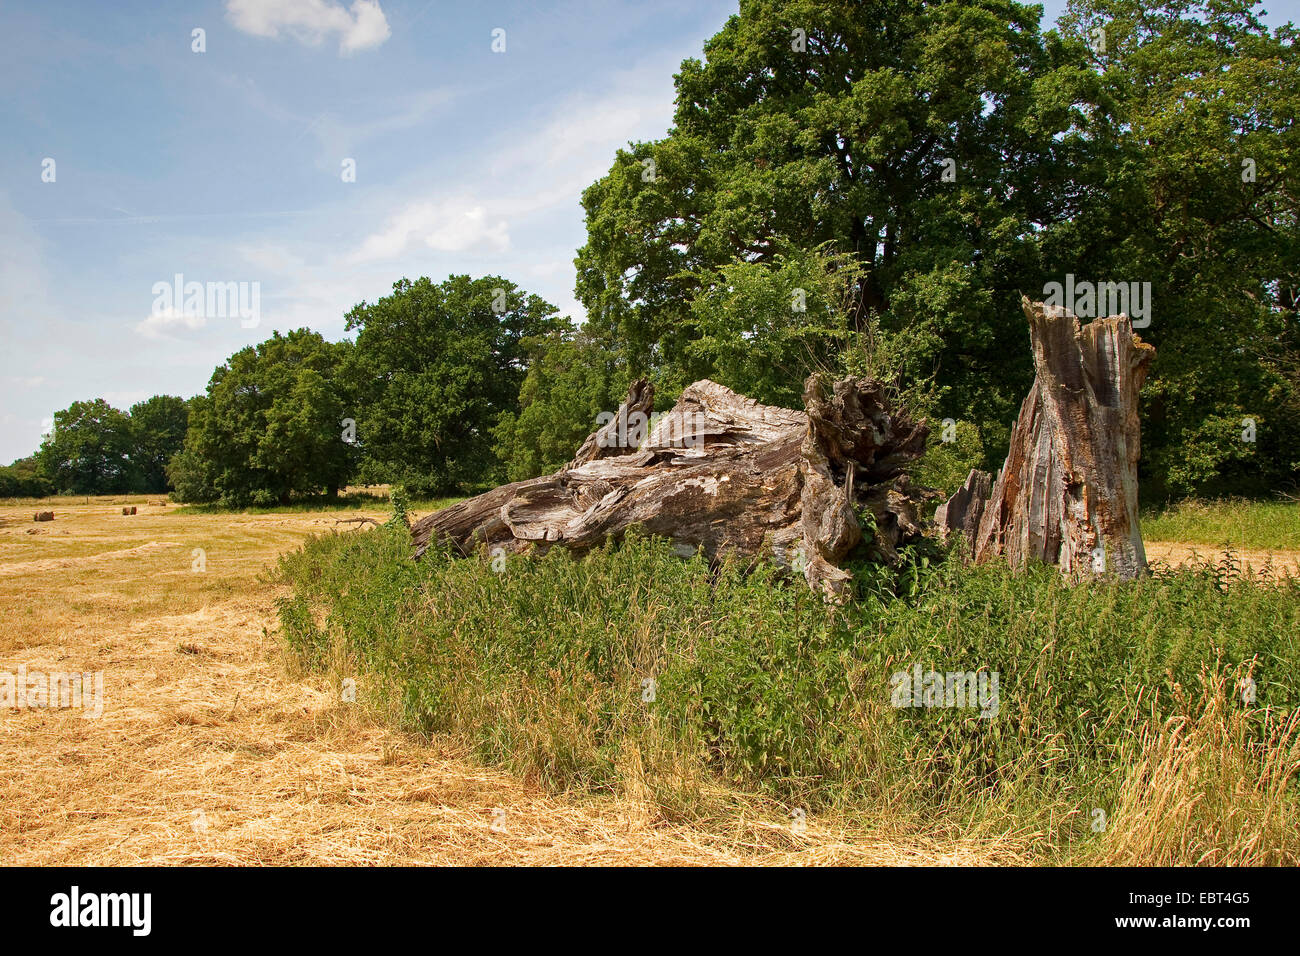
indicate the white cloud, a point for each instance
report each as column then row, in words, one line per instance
column 547, row 165
column 160, row 324
column 312, row 21
column 455, row 225
column 588, row 130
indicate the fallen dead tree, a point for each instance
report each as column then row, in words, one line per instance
column 1068, row 492
column 719, row 473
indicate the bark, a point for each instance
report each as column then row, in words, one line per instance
column 961, row 513
column 719, row 473
column 1068, row 492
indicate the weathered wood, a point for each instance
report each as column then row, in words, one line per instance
column 358, row 521
column 1068, row 493
column 961, row 513
column 719, row 473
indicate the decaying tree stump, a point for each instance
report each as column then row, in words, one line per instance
column 1068, row 492
column 721, row 473
column 962, row 512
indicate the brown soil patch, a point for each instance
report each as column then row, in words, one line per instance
column 1266, row 564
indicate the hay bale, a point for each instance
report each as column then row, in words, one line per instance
column 43, row 516
column 129, row 511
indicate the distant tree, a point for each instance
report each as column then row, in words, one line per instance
column 24, row 479
column 571, row 379
column 434, row 369
column 270, row 426
column 158, row 429
column 89, row 450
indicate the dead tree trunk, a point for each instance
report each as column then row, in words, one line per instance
column 1068, row 492
column 719, row 473
column 961, row 513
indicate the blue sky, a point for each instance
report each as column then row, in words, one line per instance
column 226, row 166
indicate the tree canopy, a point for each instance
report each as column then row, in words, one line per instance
column 434, row 369
column 270, row 425
column 962, row 157
column 158, row 427
column 88, row 452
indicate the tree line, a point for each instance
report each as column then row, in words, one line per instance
column 849, row 187
column 95, row 448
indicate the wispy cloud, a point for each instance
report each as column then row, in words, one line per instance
column 313, row 21
column 532, row 171
column 455, row 225
column 161, row 324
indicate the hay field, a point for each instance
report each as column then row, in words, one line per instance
column 211, row 750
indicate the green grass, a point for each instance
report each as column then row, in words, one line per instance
column 1236, row 523
column 541, row 667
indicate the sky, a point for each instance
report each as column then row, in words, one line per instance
column 130, row 157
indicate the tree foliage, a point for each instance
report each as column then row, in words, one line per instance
column 24, row 478
column 88, row 452
column 571, row 379
column 962, row 157
column 915, row 137
column 435, row 368
column 270, row 426
column 158, row 427
column 1198, row 156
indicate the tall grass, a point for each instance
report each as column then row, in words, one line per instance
column 1212, row 785
column 633, row 671
column 1230, row 522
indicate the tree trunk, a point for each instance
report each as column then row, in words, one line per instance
column 1068, row 491
column 721, row 473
